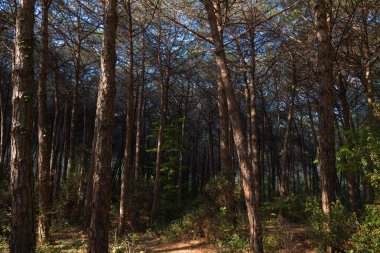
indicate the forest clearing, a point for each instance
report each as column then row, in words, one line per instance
column 189, row 126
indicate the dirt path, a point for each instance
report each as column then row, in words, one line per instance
column 73, row 240
column 193, row 246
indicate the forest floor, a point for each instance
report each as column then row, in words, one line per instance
column 293, row 238
column 72, row 239
column 192, row 246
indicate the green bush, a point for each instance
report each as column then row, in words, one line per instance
column 209, row 219
column 367, row 238
column 333, row 230
column 362, row 154
column 5, row 216
column 291, row 207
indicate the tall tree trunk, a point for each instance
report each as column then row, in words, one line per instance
column 125, row 176
column 268, row 156
column 238, row 136
column 60, row 158
column 55, row 139
column 73, row 124
column 285, row 159
column 140, row 118
column 181, row 175
column 194, row 169
column 160, row 139
column 65, row 140
column 85, row 160
column 21, row 164
column 314, row 174
column 43, row 135
column 326, row 106
column 183, row 172
column 272, row 145
column 210, row 148
column 351, row 175
column 254, row 138
column 301, row 143
column 224, row 149
column 100, row 205
column 373, row 111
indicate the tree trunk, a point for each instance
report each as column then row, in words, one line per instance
column 160, row 139
column 238, row 136
column 43, row 142
column 210, row 149
column 271, row 146
column 285, row 159
column 314, row 175
column 183, row 172
column 125, row 176
column 373, row 111
column 326, row 106
column 352, row 176
column 21, row 165
column 301, row 143
column 55, row 140
column 194, row 169
column 60, row 158
column 254, row 138
column 181, row 175
column 84, row 166
column 65, row 140
column 140, row 118
column 224, row 149
column 268, row 156
column 73, row 124
column 100, row 205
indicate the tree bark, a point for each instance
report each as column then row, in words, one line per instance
column 181, row 174
column 254, row 138
column 100, row 204
column 84, row 166
column 73, row 124
column 301, row 143
column 65, row 141
column 55, row 140
column 160, row 140
column 352, row 176
column 125, row 176
column 43, row 135
column 140, row 118
column 21, row 164
column 285, row 158
column 224, row 148
column 373, row 111
column 238, row 136
column 326, row 106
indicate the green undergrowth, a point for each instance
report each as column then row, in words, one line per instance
column 207, row 217
column 5, row 216
column 367, row 236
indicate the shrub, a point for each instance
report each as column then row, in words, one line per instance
column 367, row 238
column 291, row 207
column 5, row 216
column 333, row 230
column 209, row 219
